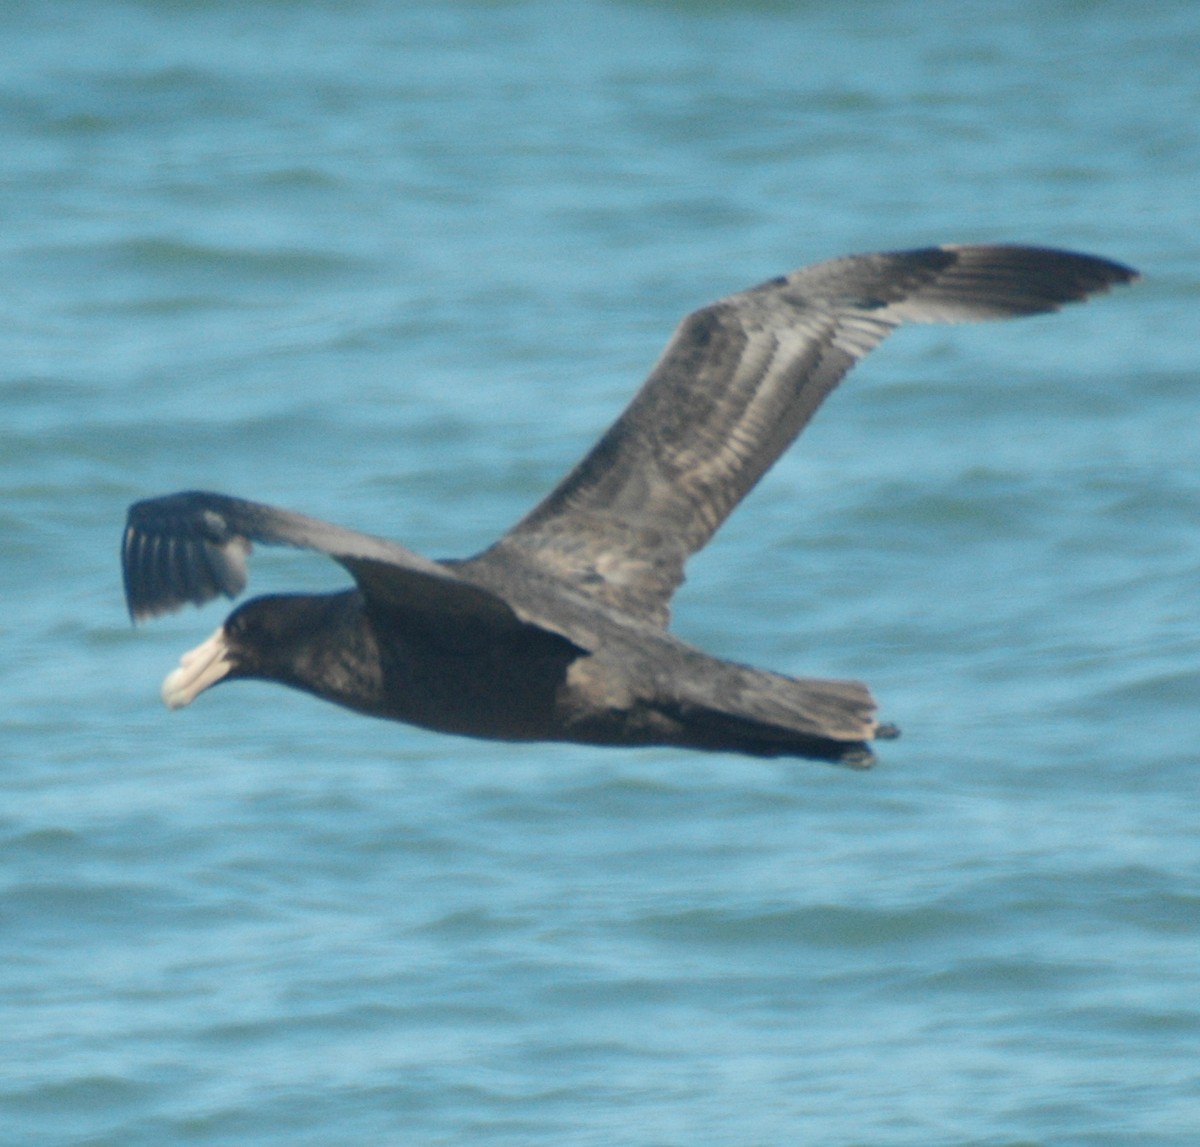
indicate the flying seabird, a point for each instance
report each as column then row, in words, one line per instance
column 558, row 631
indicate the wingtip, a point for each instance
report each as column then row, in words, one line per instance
column 177, row 550
column 1049, row 276
column 143, row 611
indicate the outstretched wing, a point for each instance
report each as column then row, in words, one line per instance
column 736, row 384
column 193, row 546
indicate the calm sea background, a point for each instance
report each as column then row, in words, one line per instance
column 397, row 265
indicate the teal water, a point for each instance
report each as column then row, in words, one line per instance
column 397, row 265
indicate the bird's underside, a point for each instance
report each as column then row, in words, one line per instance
column 558, row 630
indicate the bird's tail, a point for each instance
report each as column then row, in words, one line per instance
column 736, row 708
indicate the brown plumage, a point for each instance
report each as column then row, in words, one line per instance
column 558, row 631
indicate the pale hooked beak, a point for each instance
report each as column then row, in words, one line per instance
column 200, row 668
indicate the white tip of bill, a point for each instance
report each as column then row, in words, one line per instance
column 198, row 669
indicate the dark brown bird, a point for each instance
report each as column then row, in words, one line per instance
column 558, row 632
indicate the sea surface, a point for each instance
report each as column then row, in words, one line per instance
column 398, row 265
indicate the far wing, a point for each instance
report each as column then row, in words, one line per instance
column 736, row 384
column 193, row 546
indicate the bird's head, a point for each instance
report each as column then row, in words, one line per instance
column 272, row 638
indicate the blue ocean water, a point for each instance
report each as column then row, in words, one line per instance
column 397, row 265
